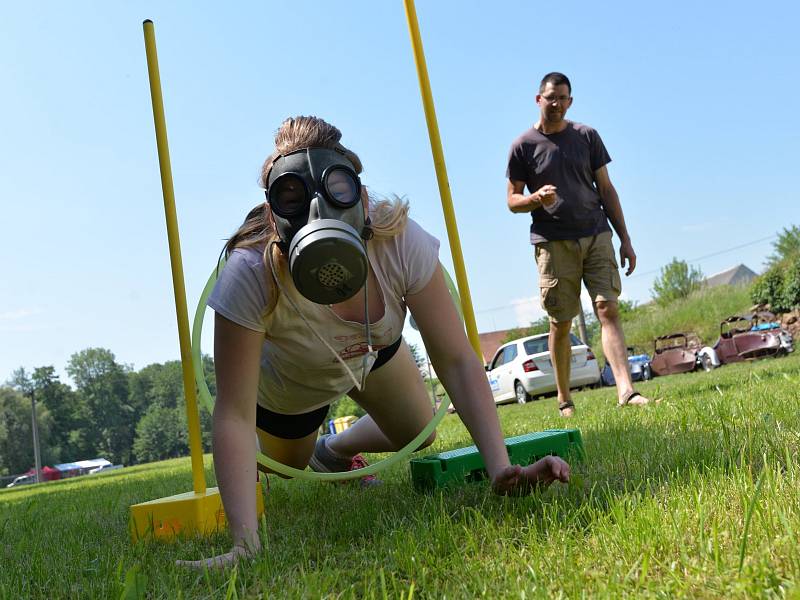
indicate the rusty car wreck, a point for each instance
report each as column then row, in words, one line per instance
column 752, row 336
column 678, row 353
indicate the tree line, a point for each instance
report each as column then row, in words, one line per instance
column 113, row 412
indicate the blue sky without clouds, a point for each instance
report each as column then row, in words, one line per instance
column 696, row 103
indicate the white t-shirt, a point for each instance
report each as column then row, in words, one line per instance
column 298, row 373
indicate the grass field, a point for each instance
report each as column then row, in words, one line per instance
column 697, row 496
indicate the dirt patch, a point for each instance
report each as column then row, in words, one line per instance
column 791, row 322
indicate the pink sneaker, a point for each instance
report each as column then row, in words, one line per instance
column 325, row 461
column 359, row 462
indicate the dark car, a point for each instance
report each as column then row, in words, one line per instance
column 639, row 365
column 751, row 336
column 678, row 353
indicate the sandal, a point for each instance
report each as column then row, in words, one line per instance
column 628, row 397
column 568, row 405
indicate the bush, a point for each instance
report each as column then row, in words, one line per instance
column 779, row 287
column 345, row 406
column 790, row 291
column 766, row 288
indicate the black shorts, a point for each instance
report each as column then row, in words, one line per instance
column 294, row 427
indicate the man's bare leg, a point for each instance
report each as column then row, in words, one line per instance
column 614, row 348
column 561, row 357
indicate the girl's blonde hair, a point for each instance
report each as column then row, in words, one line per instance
column 388, row 216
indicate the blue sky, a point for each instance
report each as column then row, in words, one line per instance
column 696, row 104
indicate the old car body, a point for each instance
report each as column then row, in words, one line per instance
column 751, row 336
column 673, row 353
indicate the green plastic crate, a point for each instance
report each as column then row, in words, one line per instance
column 466, row 464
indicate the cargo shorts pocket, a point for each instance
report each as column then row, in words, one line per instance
column 549, row 294
column 616, row 281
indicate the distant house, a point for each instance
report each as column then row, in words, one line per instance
column 81, row 467
column 737, row 275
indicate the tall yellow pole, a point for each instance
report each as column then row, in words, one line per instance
column 195, row 444
column 441, row 177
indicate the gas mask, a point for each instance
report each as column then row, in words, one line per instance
column 315, row 197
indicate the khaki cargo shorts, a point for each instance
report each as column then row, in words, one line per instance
column 563, row 264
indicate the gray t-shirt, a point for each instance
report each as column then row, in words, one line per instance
column 567, row 160
column 298, row 373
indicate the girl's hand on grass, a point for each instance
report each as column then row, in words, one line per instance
column 515, row 480
column 220, row 561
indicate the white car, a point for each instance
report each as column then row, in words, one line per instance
column 104, row 468
column 22, row 480
column 521, row 369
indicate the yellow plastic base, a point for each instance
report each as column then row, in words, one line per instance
column 183, row 514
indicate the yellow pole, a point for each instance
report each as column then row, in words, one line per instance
column 441, row 177
column 195, row 445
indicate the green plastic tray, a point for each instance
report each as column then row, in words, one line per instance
column 466, row 465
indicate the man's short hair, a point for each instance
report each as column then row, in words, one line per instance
column 555, row 78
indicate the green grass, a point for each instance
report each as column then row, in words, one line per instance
column 697, row 496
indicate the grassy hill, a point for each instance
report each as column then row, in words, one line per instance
column 699, row 313
column 696, row 496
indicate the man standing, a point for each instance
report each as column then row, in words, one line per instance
column 571, row 199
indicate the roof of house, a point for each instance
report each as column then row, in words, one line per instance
column 733, row 276
column 82, row 464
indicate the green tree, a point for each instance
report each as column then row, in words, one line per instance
column 162, row 385
column 16, row 433
column 108, row 420
column 64, row 406
column 627, row 308
column 786, row 247
column 161, row 433
column 157, row 383
column 676, row 280
column 541, row 325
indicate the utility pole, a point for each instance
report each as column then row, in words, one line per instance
column 582, row 324
column 36, row 455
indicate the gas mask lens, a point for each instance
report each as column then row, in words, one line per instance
column 342, row 187
column 288, row 195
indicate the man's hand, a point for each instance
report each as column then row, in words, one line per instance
column 515, row 480
column 627, row 255
column 546, row 195
column 220, row 561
